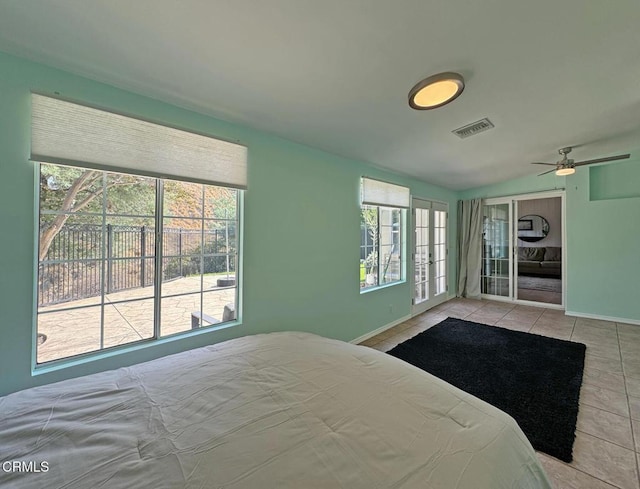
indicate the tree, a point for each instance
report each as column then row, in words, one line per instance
column 68, row 190
column 130, row 200
column 369, row 219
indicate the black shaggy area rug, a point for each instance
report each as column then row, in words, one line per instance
column 533, row 378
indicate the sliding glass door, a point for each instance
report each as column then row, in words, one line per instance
column 497, row 266
column 522, row 252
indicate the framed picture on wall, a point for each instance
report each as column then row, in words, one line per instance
column 525, row 225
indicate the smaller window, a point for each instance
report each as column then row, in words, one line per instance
column 381, row 246
column 381, row 232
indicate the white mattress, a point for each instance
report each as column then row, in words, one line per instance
column 282, row 410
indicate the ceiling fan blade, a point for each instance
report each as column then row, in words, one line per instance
column 544, row 173
column 540, row 163
column 602, row 160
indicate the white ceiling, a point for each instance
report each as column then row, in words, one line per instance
column 334, row 74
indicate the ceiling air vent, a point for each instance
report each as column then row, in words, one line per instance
column 473, row 128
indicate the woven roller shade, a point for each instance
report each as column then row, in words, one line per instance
column 68, row 133
column 376, row 192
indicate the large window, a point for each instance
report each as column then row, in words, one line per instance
column 138, row 229
column 104, row 277
column 381, row 233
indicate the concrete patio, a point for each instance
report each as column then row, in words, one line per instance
column 74, row 331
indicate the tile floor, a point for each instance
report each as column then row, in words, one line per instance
column 606, row 452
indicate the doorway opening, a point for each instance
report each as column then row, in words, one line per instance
column 523, row 252
column 539, row 245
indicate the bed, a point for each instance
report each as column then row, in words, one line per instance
column 278, row 410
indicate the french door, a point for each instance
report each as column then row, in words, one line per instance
column 429, row 254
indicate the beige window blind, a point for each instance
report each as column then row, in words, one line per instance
column 68, row 133
column 377, row 192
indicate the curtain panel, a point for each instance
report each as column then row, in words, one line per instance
column 469, row 247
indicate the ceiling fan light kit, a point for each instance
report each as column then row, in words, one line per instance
column 566, row 166
column 563, row 172
column 436, row 91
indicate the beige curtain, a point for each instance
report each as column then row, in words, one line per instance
column 469, row 247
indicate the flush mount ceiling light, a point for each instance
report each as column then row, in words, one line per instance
column 436, row 91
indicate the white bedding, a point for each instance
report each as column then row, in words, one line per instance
column 281, row 410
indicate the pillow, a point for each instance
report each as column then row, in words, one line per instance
column 530, row 254
column 553, row 253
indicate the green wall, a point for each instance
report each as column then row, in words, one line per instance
column 602, row 235
column 301, row 231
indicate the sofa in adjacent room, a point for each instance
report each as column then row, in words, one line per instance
column 543, row 261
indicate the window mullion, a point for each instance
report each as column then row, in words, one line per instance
column 401, row 227
column 157, row 279
column 105, row 258
column 378, row 251
column 238, row 231
column 202, row 251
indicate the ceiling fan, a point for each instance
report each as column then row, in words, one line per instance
column 567, row 166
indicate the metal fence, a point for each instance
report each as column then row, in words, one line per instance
column 74, row 266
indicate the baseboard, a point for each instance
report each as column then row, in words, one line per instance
column 602, row 318
column 381, row 329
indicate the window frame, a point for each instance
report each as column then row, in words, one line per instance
column 158, row 257
column 401, row 236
